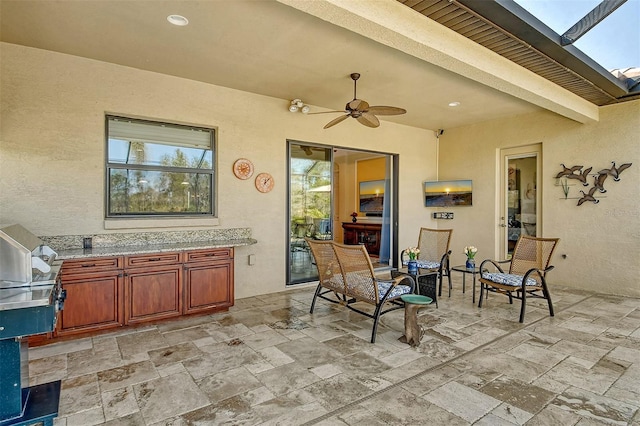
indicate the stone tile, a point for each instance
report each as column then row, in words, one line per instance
column 173, row 354
column 309, row 352
column 596, row 407
column 527, row 397
column 578, row 350
column 385, row 407
column 224, row 332
column 326, row 371
column 493, row 420
column 587, row 379
column 337, row 391
column 233, row 356
column 228, row 383
column 626, row 354
column 462, row 401
column 135, row 343
column 185, row 335
column 536, row 354
column 59, row 348
column 119, row 403
column 93, row 416
column 169, row 396
column 79, row 394
column 553, row 415
column 287, row 378
column 511, row 414
column 126, row 375
column 275, row 356
column 134, row 419
column 46, row 365
column 296, row 407
column 264, row 339
column 88, row 361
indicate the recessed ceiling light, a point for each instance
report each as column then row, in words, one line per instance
column 178, row 20
column 454, row 104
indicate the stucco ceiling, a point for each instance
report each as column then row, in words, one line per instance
column 265, row 47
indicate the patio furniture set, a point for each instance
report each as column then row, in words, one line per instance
column 346, row 276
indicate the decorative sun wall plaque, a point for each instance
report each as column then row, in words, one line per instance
column 243, row 168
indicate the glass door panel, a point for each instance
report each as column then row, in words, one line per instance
column 310, row 206
column 520, row 199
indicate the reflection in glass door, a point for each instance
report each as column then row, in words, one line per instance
column 310, row 204
column 520, row 197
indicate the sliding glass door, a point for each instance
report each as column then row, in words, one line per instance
column 310, row 206
column 326, row 186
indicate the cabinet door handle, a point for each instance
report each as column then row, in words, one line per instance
column 154, row 259
column 88, row 265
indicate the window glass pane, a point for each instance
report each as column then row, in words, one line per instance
column 126, row 152
column 158, row 169
column 164, row 193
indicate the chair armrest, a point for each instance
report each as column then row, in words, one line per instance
column 445, row 260
column 541, row 272
column 495, row 263
column 397, row 280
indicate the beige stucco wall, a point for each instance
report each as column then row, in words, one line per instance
column 52, row 150
column 601, row 241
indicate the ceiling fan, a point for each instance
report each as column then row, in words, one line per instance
column 361, row 111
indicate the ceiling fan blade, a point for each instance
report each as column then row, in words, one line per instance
column 326, row 112
column 368, row 119
column 386, row 110
column 336, row 121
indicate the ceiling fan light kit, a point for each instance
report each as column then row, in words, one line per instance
column 361, row 111
column 297, row 105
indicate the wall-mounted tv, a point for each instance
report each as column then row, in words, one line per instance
column 447, row 193
column 371, row 196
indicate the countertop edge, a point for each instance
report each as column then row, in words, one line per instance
column 80, row 253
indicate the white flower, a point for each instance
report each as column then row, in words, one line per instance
column 470, row 251
column 412, row 252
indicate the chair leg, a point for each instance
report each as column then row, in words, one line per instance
column 547, row 296
column 440, row 285
column 315, row 296
column 481, row 294
column 376, row 317
column 524, row 304
column 510, row 297
column 449, row 278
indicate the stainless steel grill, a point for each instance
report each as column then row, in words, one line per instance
column 30, row 298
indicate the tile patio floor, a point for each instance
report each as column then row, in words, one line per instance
column 267, row 361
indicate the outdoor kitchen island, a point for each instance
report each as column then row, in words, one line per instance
column 129, row 279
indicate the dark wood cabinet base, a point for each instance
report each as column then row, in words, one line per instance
column 106, row 293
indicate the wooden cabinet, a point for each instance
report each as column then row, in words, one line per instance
column 363, row 233
column 108, row 292
column 94, row 295
column 208, row 280
column 152, row 287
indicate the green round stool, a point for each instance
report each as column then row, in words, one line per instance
column 412, row 331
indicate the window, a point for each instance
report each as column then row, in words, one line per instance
column 158, row 169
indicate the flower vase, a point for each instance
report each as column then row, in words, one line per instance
column 354, row 220
column 471, row 263
column 412, row 267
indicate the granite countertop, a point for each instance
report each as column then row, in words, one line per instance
column 80, row 253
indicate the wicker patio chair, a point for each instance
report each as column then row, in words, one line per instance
column 355, row 281
column 434, row 254
column 329, row 273
column 529, row 265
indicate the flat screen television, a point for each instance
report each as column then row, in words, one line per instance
column 371, row 196
column 447, row 193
